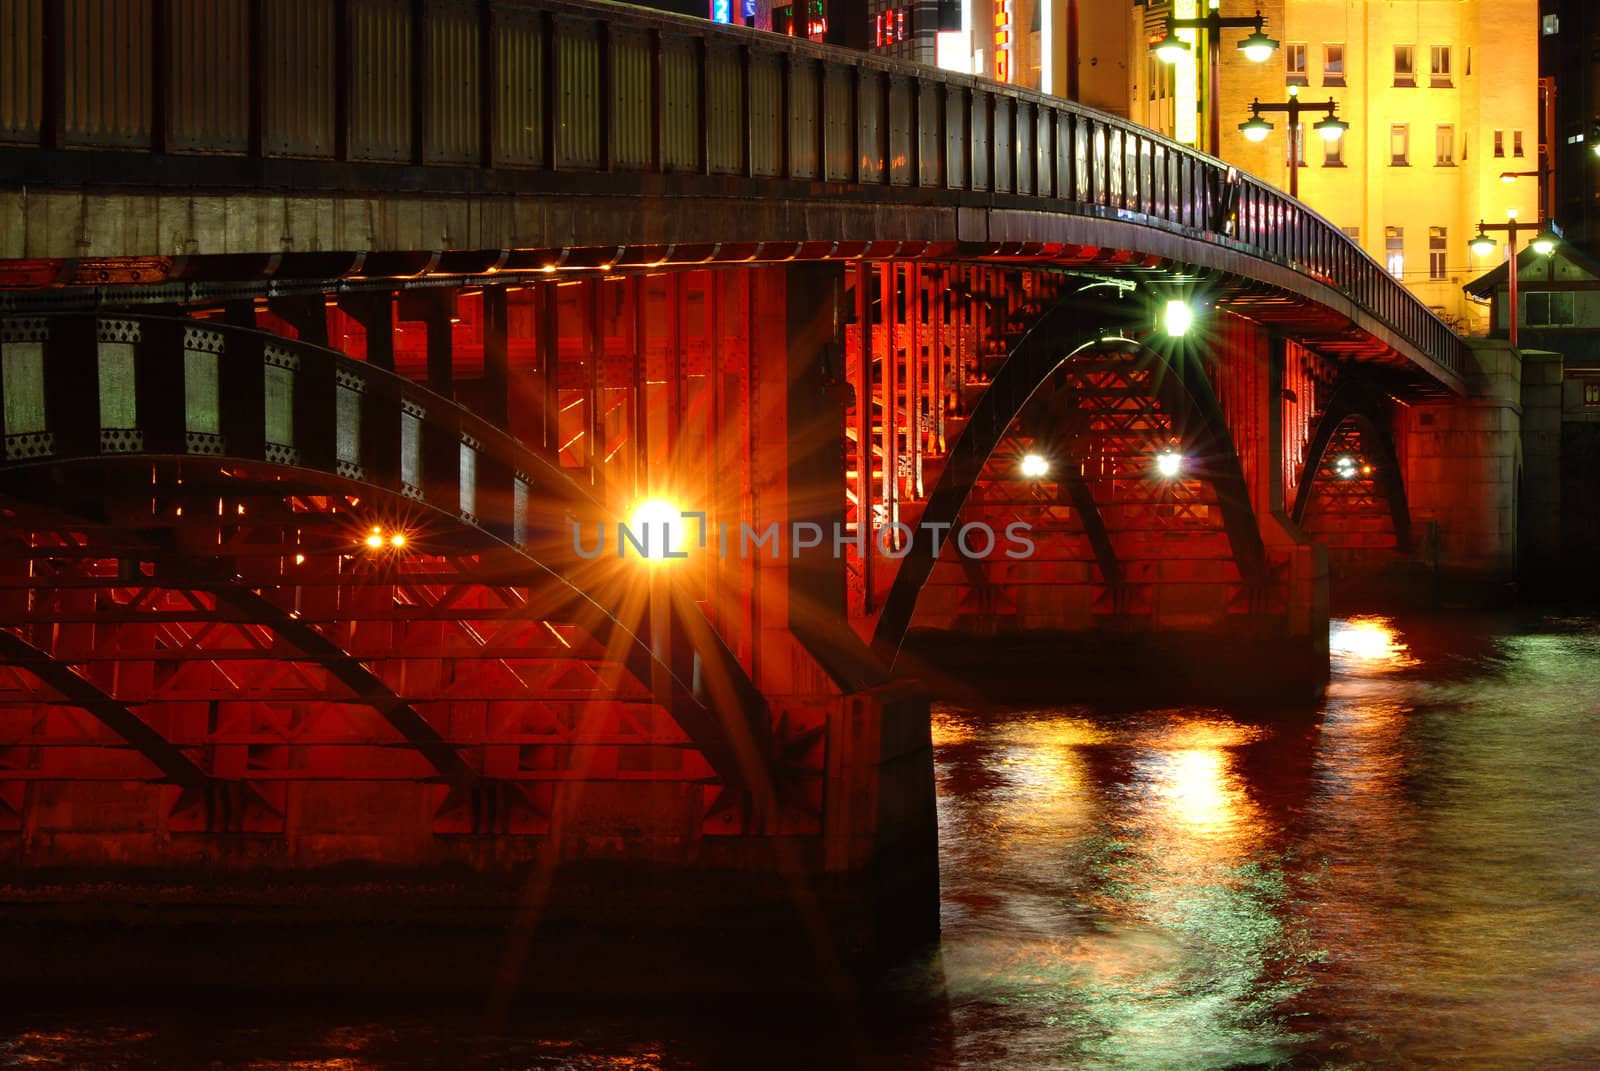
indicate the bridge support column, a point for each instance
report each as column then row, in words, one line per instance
column 879, row 829
column 1462, row 460
column 1306, row 579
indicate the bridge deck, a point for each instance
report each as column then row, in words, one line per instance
column 288, row 143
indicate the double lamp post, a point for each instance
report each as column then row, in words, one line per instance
column 1258, row 48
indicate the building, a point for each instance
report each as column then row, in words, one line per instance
column 1558, row 332
column 1442, row 99
column 1078, row 49
column 1569, row 60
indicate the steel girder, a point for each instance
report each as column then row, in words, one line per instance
column 1353, row 402
column 315, row 418
column 1078, row 324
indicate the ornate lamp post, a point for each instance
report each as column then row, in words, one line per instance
column 1544, row 243
column 1331, row 128
column 1257, row 48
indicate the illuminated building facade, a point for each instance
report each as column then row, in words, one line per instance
column 1070, row 48
column 1442, row 101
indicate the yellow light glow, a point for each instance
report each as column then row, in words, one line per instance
column 374, row 540
column 397, row 540
column 1169, row 464
column 1179, row 318
column 658, row 525
column 1034, row 466
column 1368, row 639
column 299, row 559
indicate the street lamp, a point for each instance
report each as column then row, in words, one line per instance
column 1482, row 244
column 1257, row 48
column 1331, row 128
column 1546, row 187
column 1544, row 243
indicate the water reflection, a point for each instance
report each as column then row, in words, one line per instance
column 1404, row 878
column 1366, row 644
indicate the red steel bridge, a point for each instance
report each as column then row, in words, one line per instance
column 328, row 323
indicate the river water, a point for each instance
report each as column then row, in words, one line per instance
column 1406, row 877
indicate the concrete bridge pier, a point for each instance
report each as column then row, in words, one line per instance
column 1465, row 470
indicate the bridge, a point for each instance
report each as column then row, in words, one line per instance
column 336, row 333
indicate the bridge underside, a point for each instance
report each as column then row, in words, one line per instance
column 312, row 575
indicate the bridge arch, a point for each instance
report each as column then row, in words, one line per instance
column 1355, row 428
column 235, row 411
column 1053, row 342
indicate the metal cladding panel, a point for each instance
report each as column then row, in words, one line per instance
column 21, row 69
column 1022, row 128
column 209, row 76
column 1005, row 145
column 1097, row 163
column 633, row 106
column 725, row 102
column 1066, row 158
column 981, row 103
column 1162, row 168
column 766, row 115
column 837, row 133
column 1113, row 156
column 680, row 104
column 380, row 80
column 1132, row 184
column 955, row 137
column 298, row 77
column 1044, row 150
column 577, row 93
column 520, row 95
column 927, row 134
column 803, row 120
column 900, row 132
column 108, row 77
column 869, row 126
column 453, row 129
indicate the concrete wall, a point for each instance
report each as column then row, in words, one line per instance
column 1539, row 506
column 1462, row 462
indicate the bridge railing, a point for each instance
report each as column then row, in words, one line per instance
column 584, row 86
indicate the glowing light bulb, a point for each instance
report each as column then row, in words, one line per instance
column 1034, row 466
column 659, row 526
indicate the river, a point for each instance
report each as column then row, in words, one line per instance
column 1407, row 876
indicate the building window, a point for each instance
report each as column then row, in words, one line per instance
column 1332, row 153
column 1550, row 25
column 1333, row 65
column 1591, row 392
column 1352, row 233
column 1405, row 71
column 1444, row 145
column 1295, row 146
column 1437, row 248
column 1394, row 251
column 1400, row 145
column 1294, row 64
column 1439, row 65
column 1469, row 61
column 1549, row 308
column 1516, row 143
column 1499, row 142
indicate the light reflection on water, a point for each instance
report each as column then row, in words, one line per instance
column 1405, row 878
